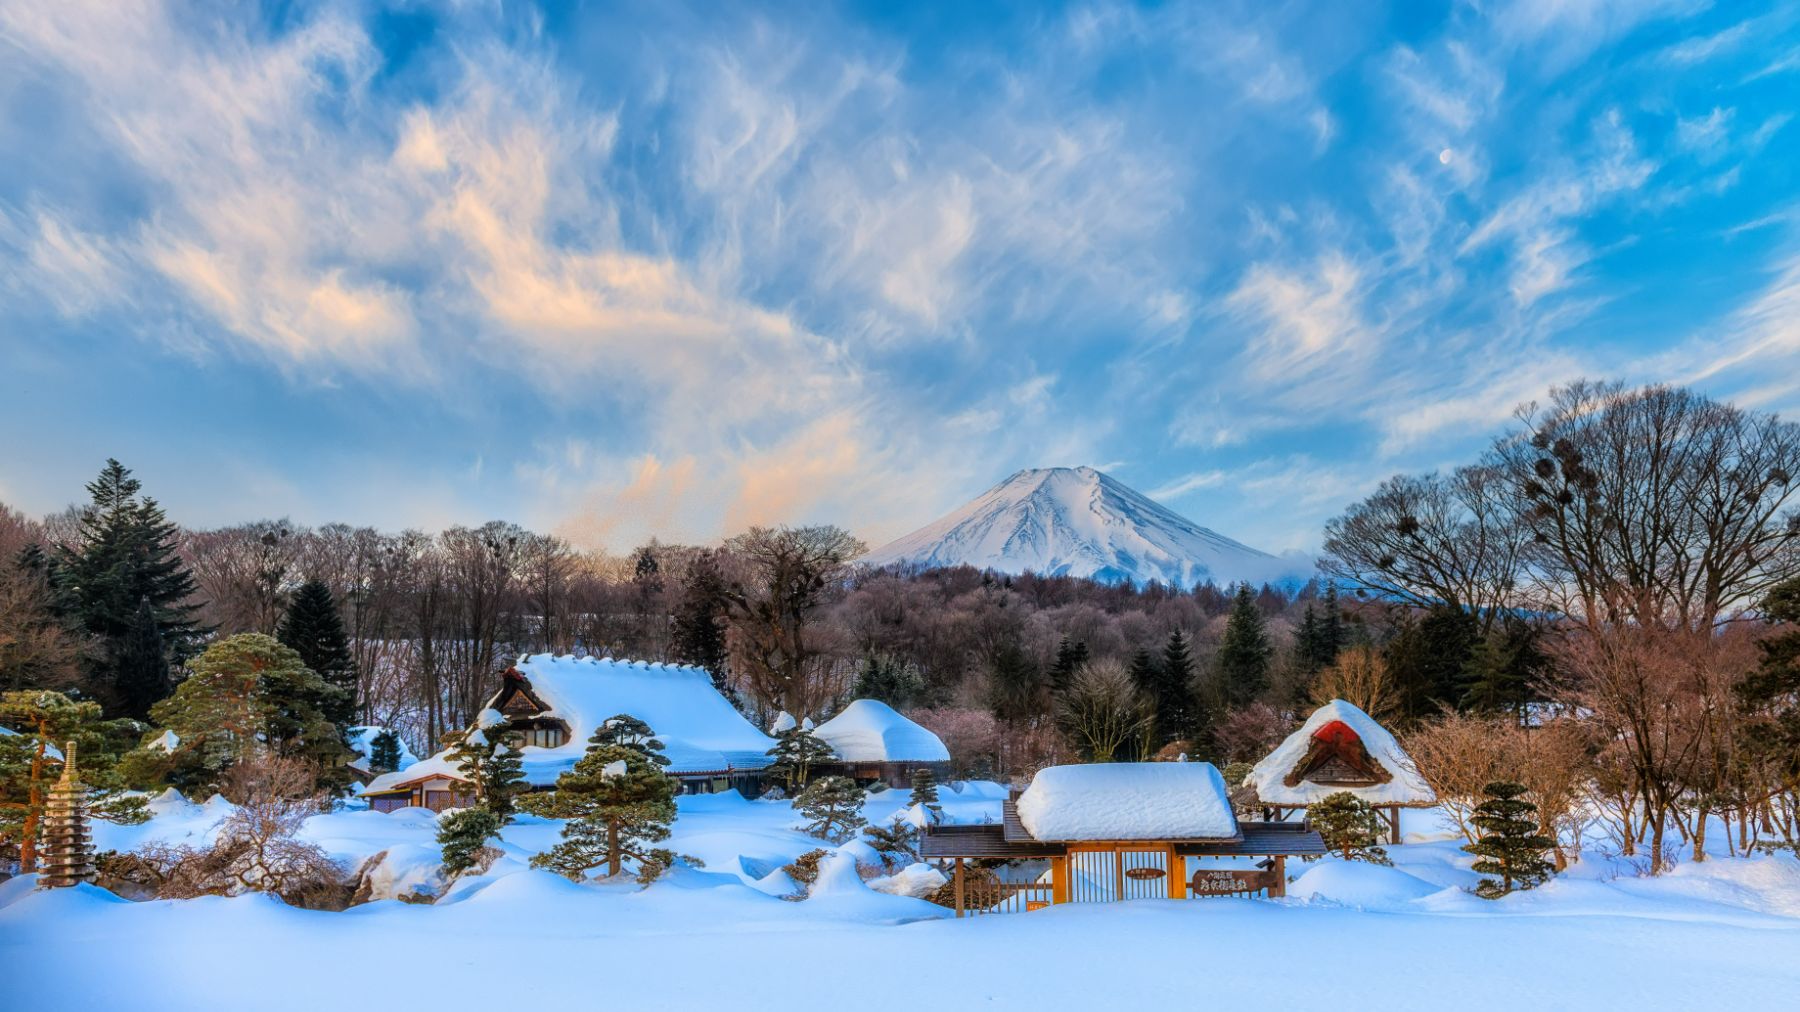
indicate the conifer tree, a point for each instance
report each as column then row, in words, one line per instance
column 1333, row 636
column 925, row 792
column 1428, row 656
column 1307, row 643
column 628, row 732
column 463, row 835
column 896, row 842
column 1245, row 651
column 888, row 679
column 384, row 752
column 1510, row 847
column 244, row 695
column 140, row 664
column 1015, row 688
column 44, row 722
column 797, row 750
column 1503, row 667
column 315, row 630
column 123, row 556
column 1350, row 826
column 697, row 635
column 488, row 758
column 1070, row 656
column 619, row 804
column 833, row 808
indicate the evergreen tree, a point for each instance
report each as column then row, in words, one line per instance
column 463, row 835
column 140, row 664
column 314, row 629
column 1179, row 715
column 1349, row 826
column 1503, row 668
column 1510, row 846
column 124, row 556
column 1427, row 657
column 698, row 631
column 1307, row 643
column 1015, row 689
column 897, row 843
column 1070, row 656
column 244, row 695
column 384, row 752
column 46, row 722
column 1333, row 637
column 888, row 679
column 925, row 792
column 1768, row 699
column 795, row 753
column 626, row 731
column 489, row 760
column 618, row 803
column 1245, row 651
column 833, row 808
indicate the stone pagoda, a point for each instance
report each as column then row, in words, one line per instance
column 65, row 848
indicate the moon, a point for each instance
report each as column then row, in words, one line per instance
column 1444, row 157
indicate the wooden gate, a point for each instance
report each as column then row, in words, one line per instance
column 1118, row 873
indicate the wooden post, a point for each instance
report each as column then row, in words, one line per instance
column 1059, row 879
column 959, row 887
column 1118, row 874
column 1176, row 866
column 1394, row 836
column 1280, row 869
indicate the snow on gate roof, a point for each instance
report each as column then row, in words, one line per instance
column 1336, row 732
column 702, row 731
column 1128, row 801
column 869, row 730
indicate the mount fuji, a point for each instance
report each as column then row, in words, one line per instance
column 1076, row 521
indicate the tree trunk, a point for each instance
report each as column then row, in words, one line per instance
column 614, row 859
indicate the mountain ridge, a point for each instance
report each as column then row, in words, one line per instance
column 1077, row 521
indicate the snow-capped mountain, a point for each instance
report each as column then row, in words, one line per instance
column 1076, row 521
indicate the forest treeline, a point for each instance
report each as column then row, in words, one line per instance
column 1617, row 567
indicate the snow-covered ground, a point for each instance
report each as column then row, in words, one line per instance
column 1721, row 934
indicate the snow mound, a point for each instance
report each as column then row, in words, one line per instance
column 1128, row 801
column 869, row 730
column 1405, row 786
column 404, row 870
column 1359, row 884
column 915, row 880
column 1076, row 521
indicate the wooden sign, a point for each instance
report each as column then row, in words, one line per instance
column 1226, row 881
column 1031, row 905
column 1144, row 874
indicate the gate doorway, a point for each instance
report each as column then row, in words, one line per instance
column 1120, row 873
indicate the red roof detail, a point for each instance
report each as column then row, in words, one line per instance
column 1336, row 733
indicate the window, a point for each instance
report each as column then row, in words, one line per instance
column 543, row 737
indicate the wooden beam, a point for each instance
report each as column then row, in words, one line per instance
column 959, row 887
column 1280, row 869
column 1059, row 879
column 1176, row 866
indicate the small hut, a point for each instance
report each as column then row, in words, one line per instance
column 1119, row 831
column 1339, row 748
column 874, row 743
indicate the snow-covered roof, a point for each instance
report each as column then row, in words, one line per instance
column 701, row 731
column 1281, row 777
column 869, row 730
column 1128, row 801
column 362, row 742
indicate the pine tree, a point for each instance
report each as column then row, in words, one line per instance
column 313, row 627
column 463, row 835
column 1333, row 637
column 1427, row 657
column 384, row 752
column 888, row 679
column 1349, row 826
column 45, row 721
column 1070, row 656
column 1307, row 644
column 488, row 758
column 1510, row 846
column 833, row 808
column 618, row 803
column 1503, row 668
column 1015, row 689
column 925, row 792
column 1178, row 711
column 698, row 632
column 140, row 664
column 1245, row 651
column 797, row 750
column 244, row 695
column 125, row 555
column 897, row 843
column 626, row 731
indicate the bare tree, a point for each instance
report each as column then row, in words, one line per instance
column 244, row 573
column 786, row 575
column 1359, row 676
column 1432, row 540
column 1103, row 710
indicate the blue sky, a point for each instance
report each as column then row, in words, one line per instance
column 617, row 270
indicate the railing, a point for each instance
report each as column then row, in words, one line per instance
column 987, row 897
